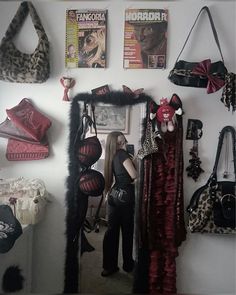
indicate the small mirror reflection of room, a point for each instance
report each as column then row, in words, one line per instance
column 91, row 260
column 92, row 257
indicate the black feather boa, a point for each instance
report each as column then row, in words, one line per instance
column 76, row 202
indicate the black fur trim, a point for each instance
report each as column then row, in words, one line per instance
column 76, row 202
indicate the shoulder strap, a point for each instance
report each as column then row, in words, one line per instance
column 24, row 9
column 94, row 119
column 223, row 132
column 205, row 8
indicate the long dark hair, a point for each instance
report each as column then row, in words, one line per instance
column 110, row 151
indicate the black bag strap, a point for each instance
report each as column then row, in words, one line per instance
column 94, row 119
column 224, row 131
column 86, row 121
column 205, row 8
column 24, row 9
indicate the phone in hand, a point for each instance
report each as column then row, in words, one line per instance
column 130, row 149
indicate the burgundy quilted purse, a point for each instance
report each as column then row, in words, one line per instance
column 22, row 151
column 26, row 132
column 31, row 121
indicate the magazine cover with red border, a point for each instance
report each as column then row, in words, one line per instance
column 145, row 38
column 86, row 33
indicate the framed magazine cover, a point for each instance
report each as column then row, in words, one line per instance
column 86, row 36
column 145, row 38
column 111, row 118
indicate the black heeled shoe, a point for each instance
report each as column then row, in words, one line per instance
column 106, row 273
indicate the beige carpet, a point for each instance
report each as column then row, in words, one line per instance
column 91, row 281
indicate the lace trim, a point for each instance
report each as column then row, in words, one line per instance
column 22, row 187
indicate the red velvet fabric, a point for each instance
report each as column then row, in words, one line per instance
column 162, row 218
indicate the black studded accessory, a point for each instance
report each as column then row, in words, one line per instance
column 194, row 132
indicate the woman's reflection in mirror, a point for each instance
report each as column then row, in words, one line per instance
column 119, row 174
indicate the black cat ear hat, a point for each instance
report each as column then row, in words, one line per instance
column 12, row 280
column 10, row 228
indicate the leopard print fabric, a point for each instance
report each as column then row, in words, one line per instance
column 16, row 66
column 149, row 145
column 201, row 218
column 229, row 92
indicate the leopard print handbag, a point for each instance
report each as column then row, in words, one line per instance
column 212, row 206
column 16, row 66
column 149, row 145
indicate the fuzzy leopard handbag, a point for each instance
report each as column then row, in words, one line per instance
column 212, row 206
column 16, row 66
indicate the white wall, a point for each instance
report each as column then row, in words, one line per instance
column 206, row 264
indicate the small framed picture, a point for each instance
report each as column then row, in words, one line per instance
column 111, row 118
column 101, row 90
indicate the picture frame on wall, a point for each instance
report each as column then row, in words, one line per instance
column 111, row 118
column 145, row 38
column 86, row 38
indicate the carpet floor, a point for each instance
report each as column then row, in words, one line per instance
column 91, row 281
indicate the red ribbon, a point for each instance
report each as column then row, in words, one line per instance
column 203, row 69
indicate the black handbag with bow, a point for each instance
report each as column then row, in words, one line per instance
column 204, row 74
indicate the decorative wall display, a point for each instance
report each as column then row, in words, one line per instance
column 86, row 38
column 67, row 83
column 145, row 38
column 111, row 118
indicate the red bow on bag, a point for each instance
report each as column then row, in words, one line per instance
column 203, row 69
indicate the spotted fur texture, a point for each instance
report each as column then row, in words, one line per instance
column 201, row 218
column 16, row 66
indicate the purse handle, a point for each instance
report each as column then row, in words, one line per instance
column 94, row 118
column 226, row 129
column 205, row 8
column 24, row 9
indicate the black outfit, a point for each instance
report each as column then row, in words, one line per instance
column 120, row 217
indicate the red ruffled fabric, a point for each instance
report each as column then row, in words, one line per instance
column 162, row 209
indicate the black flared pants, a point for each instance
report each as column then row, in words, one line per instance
column 119, row 217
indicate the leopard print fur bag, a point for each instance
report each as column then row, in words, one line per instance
column 16, row 66
column 212, row 206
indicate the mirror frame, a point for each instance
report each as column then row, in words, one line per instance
column 77, row 202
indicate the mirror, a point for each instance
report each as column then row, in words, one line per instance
column 96, row 217
column 77, row 203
